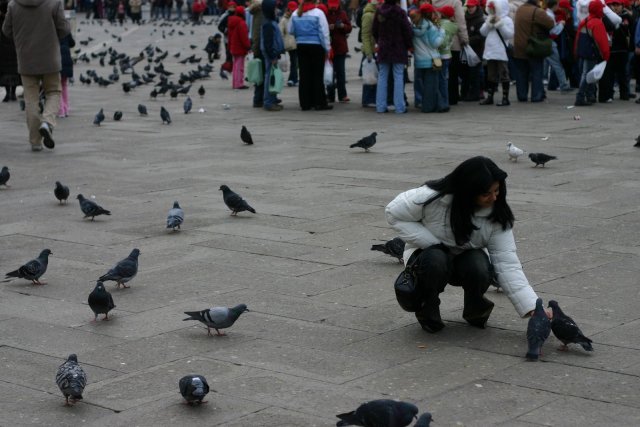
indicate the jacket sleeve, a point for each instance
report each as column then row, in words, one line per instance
column 346, row 22
column 502, row 252
column 405, row 214
column 543, row 20
column 268, row 37
column 613, row 17
column 374, row 26
column 505, row 25
column 325, row 36
column 62, row 25
column 436, row 36
column 486, row 27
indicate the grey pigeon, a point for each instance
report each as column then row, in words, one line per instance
column 566, row 329
column 637, row 144
column 187, row 105
column 4, row 176
column 217, row 317
column 380, row 413
column 175, row 217
column 100, row 301
column 117, row 116
column 245, row 136
column 538, row 331
column 61, row 192
column 33, row 269
column 234, row 201
column 164, row 115
column 201, row 91
column 540, row 158
column 90, row 208
column 366, row 142
column 71, row 380
column 142, row 109
column 194, row 388
column 394, row 247
column 124, row 270
column 424, row 420
column 99, row 118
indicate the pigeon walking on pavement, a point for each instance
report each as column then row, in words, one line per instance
column 201, row 91
column 393, row 247
column 164, row 115
column 424, row 420
column 90, row 208
column 245, row 136
column 217, row 317
column 538, row 331
column 366, row 142
column 234, row 201
column 187, row 105
column 142, row 109
column 4, row 176
column 99, row 118
column 378, row 413
column 34, row 269
column 100, row 301
column 71, row 380
column 194, row 388
column 540, row 158
column 124, row 270
column 566, row 329
column 61, row 192
column 117, row 116
column 175, row 217
column 513, row 151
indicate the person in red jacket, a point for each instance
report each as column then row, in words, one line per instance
column 239, row 45
column 339, row 29
column 591, row 47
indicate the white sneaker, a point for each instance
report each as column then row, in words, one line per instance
column 45, row 132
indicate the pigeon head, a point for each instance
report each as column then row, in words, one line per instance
column 374, row 134
column 406, row 412
column 99, row 286
column 555, row 307
column 45, row 253
column 80, row 197
column 240, row 308
column 509, row 144
column 424, row 420
column 134, row 253
column 176, row 205
column 72, row 358
column 58, row 184
column 5, row 169
column 224, row 188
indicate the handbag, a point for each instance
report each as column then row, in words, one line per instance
column 276, row 80
column 538, row 47
column 254, row 72
column 406, row 287
column 469, row 56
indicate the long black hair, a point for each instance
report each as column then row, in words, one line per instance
column 468, row 180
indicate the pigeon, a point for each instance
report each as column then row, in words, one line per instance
column 566, row 330
column 201, row 91
column 187, row 105
column 538, row 331
column 637, row 144
column 124, row 270
column 99, row 118
column 379, row 413
column 217, row 317
column 223, row 75
column 245, row 136
column 71, row 380
column 117, row 116
column 4, row 176
column 142, row 110
column 33, row 269
column 164, row 115
column 513, row 151
column 101, row 301
column 234, row 201
column 61, row 192
column 394, row 247
column 194, row 388
column 176, row 216
column 90, row 208
column 424, row 420
column 366, row 142
column 540, row 158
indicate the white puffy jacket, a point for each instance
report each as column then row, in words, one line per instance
column 493, row 46
column 423, row 226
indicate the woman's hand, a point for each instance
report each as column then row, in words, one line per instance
column 547, row 311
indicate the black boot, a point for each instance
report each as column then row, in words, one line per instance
column 489, row 99
column 13, row 93
column 429, row 316
column 7, row 96
column 477, row 311
column 505, row 95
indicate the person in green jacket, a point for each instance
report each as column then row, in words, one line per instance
column 368, row 50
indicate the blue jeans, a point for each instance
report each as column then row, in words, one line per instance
column 553, row 61
column 178, row 12
column 428, row 78
column 443, row 85
column 269, row 98
column 586, row 91
column 529, row 70
column 398, row 87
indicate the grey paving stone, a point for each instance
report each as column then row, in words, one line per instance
column 277, row 417
column 574, row 411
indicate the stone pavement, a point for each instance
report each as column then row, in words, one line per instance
column 324, row 332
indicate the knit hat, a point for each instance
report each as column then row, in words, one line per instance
column 292, row 6
column 333, row 4
column 427, row 8
column 565, row 4
column 471, row 3
column 239, row 11
column 447, row 11
column 231, row 4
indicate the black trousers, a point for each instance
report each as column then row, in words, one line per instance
column 616, row 71
column 454, row 77
column 436, row 267
column 311, row 91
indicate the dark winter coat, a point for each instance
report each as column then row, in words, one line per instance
column 8, row 57
column 339, row 35
column 474, row 22
column 392, row 31
column 66, row 44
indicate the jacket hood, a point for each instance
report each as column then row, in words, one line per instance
column 389, row 10
column 596, row 9
column 30, row 3
column 501, row 7
column 269, row 9
column 370, row 7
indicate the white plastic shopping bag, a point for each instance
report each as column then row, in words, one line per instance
column 596, row 72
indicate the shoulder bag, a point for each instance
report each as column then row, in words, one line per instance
column 537, row 47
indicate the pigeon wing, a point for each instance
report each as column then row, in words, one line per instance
column 218, row 316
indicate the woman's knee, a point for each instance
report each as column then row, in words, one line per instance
column 434, row 262
column 472, row 267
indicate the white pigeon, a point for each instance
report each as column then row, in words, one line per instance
column 513, row 151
